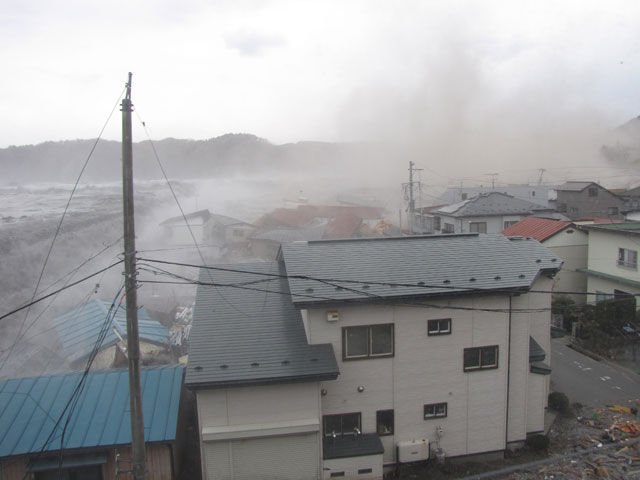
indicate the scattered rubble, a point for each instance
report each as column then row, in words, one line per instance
column 596, row 444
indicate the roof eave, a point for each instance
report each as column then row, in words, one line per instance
column 262, row 381
column 413, row 298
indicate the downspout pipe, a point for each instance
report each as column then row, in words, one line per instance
column 506, row 428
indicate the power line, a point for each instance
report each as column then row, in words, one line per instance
column 335, row 281
column 70, row 274
column 175, row 197
column 77, row 392
column 383, row 300
column 57, row 232
column 38, row 300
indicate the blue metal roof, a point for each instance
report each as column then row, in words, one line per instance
column 30, row 408
column 78, row 328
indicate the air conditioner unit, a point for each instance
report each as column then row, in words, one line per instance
column 333, row 316
column 413, row 450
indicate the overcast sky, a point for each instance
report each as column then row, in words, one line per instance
column 319, row 70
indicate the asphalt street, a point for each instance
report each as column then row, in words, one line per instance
column 591, row 382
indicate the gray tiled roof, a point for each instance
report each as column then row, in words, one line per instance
column 412, row 267
column 493, row 203
column 241, row 336
column 574, row 186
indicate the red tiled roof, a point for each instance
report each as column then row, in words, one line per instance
column 301, row 216
column 343, row 226
column 538, row 228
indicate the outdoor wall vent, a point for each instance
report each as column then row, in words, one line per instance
column 333, row 316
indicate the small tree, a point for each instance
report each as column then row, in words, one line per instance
column 565, row 306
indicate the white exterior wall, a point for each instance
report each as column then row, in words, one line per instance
column 260, row 432
column 603, row 258
column 351, row 465
column 603, row 253
column 429, row 369
column 495, row 223
column 571, row 246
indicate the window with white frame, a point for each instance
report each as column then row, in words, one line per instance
column 435, row 410
column 628, row 258
column 509, row 223
column 478, row 227
column 367, row 341
column 480, row 358
column 342, row 424
column 440, row 326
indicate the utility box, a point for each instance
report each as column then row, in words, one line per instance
column 333, row 316
column 413, row 450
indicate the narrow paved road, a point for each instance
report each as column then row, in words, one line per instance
column 588, row 381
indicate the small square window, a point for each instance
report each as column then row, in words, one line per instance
column 384, row 422
column 612, row 210
column 478, row 227
column 440, row 326
column 448, row 228
column 593, row 191
column 628, row 258
column 480, row 358
column 435, row 410
column 367, row 341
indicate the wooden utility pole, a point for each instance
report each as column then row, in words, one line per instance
column 133, row 344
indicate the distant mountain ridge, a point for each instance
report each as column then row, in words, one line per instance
column 226, row 155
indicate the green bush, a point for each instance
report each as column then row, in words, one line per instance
column 559, row 402
column 538, row 442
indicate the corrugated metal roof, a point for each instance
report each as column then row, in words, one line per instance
column 538, row 228
column 30, row 408
column 78, row 329
column 493, row 203
column 253, row 334
column 415, row 266
column 626, row 227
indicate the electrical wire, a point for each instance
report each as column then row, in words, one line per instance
column 335, row 281
column 382, row 300
column 175, row 197
column 57, row 232
column 40, row 299
column 70, row 275
column 77, row 392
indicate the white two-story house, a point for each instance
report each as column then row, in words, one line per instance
column 489, row 212
column 343, row 357
column 612, row 260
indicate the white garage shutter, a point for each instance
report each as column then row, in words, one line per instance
column 293, row 457
column 217, row 461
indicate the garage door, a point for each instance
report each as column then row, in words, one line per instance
column 283, row 458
